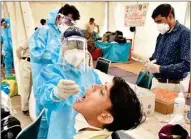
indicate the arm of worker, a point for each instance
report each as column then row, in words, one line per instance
column 184, row 65
column 54, row 89
column 56, row 94
column 38, row 43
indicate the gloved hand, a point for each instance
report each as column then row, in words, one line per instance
column 146, row 61
column 66, row 88
column 153, row 68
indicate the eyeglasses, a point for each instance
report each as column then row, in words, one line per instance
column 70, row 20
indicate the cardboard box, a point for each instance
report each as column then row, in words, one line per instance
column 164, row 108
column 164, row 102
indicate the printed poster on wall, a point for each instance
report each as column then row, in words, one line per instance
column 135, row 14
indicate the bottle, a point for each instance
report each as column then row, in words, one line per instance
column 179, row 104
column 187, row 114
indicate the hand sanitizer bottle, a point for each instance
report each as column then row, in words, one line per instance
column 179, row 102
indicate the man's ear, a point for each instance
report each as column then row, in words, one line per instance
column 58, row 17
column 105, row 118
column 170, row 16
column 70, row 16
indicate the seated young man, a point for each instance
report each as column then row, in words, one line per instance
column 105, row 108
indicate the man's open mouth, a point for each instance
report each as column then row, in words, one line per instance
column 79, row 100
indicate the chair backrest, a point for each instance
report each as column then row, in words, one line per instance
column 31, row 132
column 121, row 135
column 115, row 135
column 103, row 64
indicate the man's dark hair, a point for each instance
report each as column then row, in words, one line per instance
column 132, row 29
column 73, row 31
column 70, row 9
column 163, row 10
column 43, row 21
column 92, row 19
column 126, row 108
column 119, row 32
column 2, row 20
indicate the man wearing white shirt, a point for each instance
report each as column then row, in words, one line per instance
column 91, row 26
column 23, row 55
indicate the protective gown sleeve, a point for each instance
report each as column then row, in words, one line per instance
column 48, row 99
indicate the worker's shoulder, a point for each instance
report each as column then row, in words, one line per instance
column 42, row 30
column 45, row 27
column 184, row 29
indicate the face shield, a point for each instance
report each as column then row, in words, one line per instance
column 64, row 22
column 74, row 52
column 74, row 56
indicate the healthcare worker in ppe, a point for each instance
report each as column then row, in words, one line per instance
column 45, row 42
column 7, row 45
column 71, row 66
column 44, row 49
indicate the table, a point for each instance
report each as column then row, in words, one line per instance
column 150, row 128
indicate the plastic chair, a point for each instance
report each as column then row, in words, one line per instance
column 31, row 132
column 103, row 64
column 115, row 135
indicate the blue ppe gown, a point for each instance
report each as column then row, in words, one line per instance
column 44, row 49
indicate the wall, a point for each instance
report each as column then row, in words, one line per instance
column 187, row 18
column 116, row 18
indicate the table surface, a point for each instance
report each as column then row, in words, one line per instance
column 150, row 128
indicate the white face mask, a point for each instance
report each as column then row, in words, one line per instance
column 163, row 28
column 74, row 57
column 63, row 28
column 81, row 123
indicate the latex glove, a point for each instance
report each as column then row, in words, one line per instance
column 146, row 61
column 66, row 88
column 153, row 68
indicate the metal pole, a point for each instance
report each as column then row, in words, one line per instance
column 108, row 27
